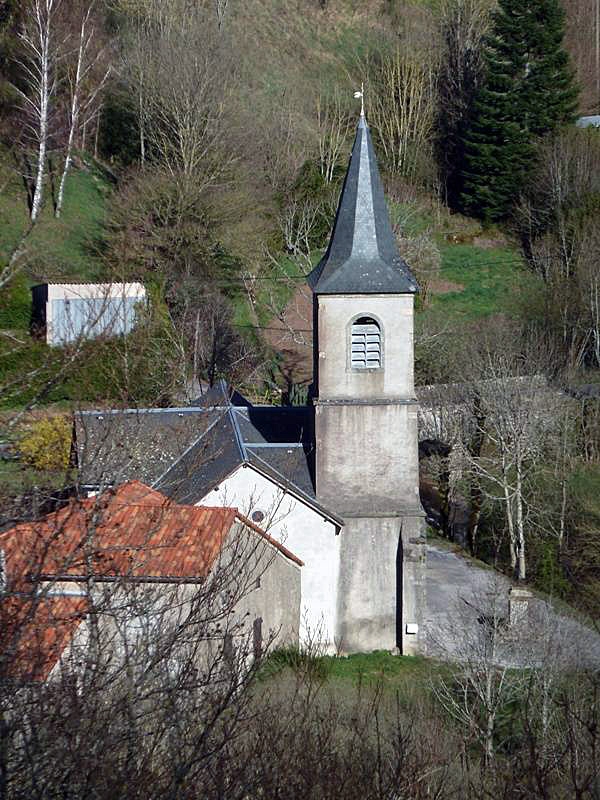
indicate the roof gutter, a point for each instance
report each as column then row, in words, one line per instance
column 119, row 578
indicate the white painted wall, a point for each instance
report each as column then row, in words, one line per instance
column 303, row 531
column 337, row 379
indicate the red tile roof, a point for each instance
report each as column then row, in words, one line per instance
column 133, row 531
column 34, row 633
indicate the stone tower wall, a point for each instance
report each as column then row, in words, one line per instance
column 337, row 380
column 367, row 471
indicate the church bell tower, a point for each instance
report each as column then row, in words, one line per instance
column 367, row 467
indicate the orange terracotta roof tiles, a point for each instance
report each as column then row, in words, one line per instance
column 34, row 633
column 132, row 531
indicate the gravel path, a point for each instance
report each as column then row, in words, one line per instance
column 465, row 602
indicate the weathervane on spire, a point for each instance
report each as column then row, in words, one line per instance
column 361, row 94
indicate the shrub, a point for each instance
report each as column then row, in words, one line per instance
column 15, row 304
column 301, row 662
column 46, row 443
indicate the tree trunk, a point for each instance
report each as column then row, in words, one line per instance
column 509, row 517
column 475, row 491
column 97, row 134
column 520, row 521
column 43, row 25
column 141, row 124
column 73, row 120
column 489, row 730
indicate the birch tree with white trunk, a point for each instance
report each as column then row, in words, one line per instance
column 479, row 685
column 518, row 426
column 81, row 101
column 41, row 52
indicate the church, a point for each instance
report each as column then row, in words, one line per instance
column 336, row 481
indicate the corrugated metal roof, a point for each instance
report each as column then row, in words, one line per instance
column 89, row 290
column 588, row 122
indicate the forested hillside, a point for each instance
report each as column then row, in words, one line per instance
column 199, row 147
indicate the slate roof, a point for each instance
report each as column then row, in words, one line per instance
column 277, row 441
column 186, row 452
column 140, row 443
column 362, row 257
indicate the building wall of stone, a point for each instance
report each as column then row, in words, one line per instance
column 336, row 378
column 367, row 471
column 271, row 590
column 304, row 532
column 250, row 580
column 367, row 457
column 381, row 585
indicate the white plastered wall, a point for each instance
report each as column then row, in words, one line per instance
column 303, row 531
column 337, row 379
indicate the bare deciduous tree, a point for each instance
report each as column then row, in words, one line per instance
column 41, row 45
column 400, row 95
column 82, row 96
column 481, row 685
column 182, row 72
column 334, row 125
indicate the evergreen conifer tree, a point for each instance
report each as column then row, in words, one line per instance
column 527, row 92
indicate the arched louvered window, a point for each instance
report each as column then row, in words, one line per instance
column 365, row 344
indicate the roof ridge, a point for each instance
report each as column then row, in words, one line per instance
column 188, row 449
column 273, row 473
column 239, row 439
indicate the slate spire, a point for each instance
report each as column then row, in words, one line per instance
column 362, row 257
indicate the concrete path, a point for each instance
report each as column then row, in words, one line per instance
column 466, row 602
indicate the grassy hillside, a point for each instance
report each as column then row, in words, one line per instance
column 481, row 272
column 482, row 281
column 65, row 249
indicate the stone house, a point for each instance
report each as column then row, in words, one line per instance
column 131, row 568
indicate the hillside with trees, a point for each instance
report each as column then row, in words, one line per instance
column 199, row 148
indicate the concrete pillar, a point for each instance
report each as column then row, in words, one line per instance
column 411, row 571
column 518, row 605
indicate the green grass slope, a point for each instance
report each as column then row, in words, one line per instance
column 65, row 249
column 488, row 281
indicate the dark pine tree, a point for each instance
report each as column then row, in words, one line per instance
column 527, row 92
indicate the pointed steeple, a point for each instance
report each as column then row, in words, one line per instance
column 362, row 257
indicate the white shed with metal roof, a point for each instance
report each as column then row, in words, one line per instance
column 65, row 312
